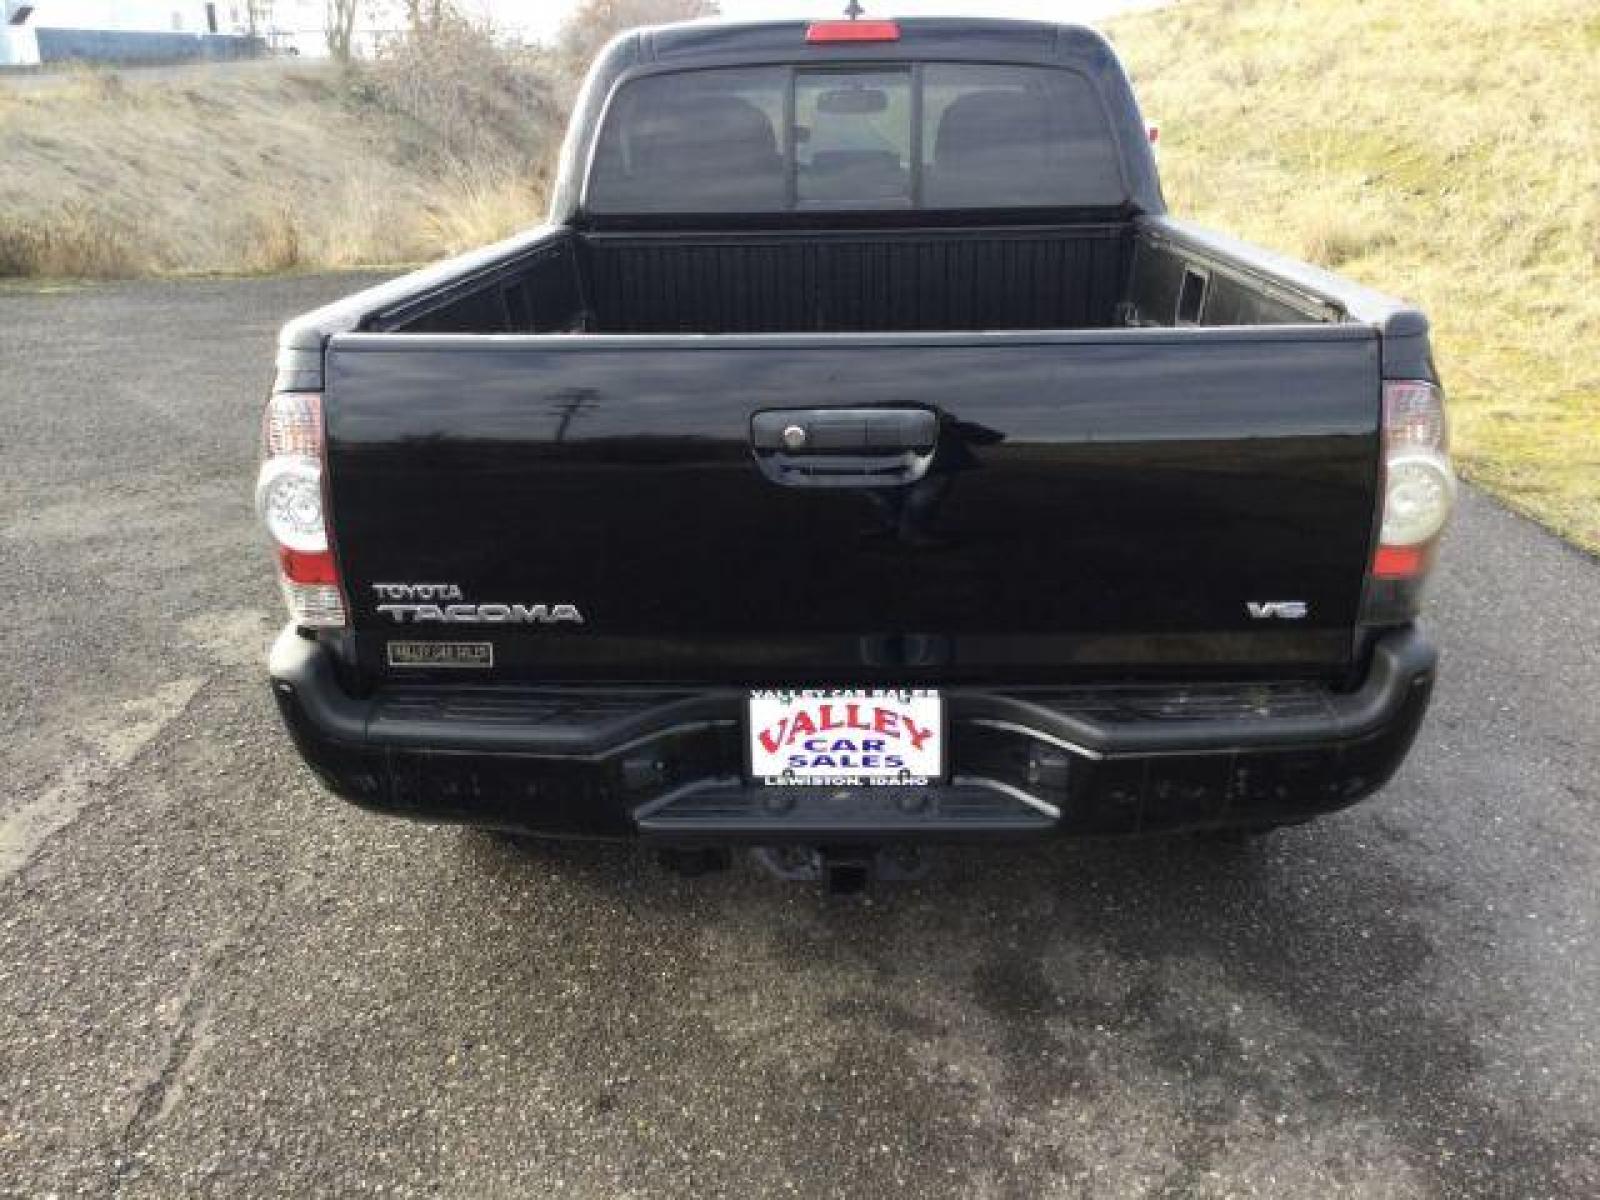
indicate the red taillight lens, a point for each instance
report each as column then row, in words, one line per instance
column 289, row 499
column 1398, row 562
column 852, row 31
column 307, row 568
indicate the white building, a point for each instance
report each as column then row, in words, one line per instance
column 288, row 26
column 17, row 45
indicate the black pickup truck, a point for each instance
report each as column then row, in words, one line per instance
column 861, row 456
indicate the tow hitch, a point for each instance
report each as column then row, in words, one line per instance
column 844, row 870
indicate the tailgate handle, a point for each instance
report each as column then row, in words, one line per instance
column 844, row 447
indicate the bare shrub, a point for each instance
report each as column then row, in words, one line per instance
column 273, row 242
column 595, row 22
column 340, row 27
column 477, row 206
column 74, row 242
column 18, row 252
column 475, row 97
column 486, row 116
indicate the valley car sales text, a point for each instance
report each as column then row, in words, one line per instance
column 877, row 735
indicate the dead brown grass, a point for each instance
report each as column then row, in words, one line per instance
column 442, row 144
column 1444, row 150
column 75, row 242
column 269, row 169
column 476, row 205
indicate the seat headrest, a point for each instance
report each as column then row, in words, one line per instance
column 986, row 130
column 706, row 132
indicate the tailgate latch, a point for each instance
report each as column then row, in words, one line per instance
column 844, row 447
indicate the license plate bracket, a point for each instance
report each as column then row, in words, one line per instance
column 845, row 737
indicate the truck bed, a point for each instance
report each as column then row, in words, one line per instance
column 1094, row 274
column 1138, row 459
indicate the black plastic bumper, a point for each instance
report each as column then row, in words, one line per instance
column 666, row 763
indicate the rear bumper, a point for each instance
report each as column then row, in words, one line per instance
column 665, row 763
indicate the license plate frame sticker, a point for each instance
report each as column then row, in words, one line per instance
column 454, row 656
column 843, row 737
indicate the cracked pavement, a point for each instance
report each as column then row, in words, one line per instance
column 216, row 980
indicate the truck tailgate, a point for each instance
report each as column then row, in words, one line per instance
column 1032, row 506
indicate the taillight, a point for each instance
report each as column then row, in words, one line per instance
column 1419, row 490
column 290, row 501
column 852, row 31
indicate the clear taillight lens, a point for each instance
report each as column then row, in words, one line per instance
column 292, row 426
column 1419, row 486
column 1418, row 495
column 1413, row 417
column 289, row 500
column 314, row 605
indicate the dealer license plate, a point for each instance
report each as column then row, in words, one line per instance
column 846, row 738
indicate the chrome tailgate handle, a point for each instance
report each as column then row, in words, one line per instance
column 845, row 430
column 844, row 447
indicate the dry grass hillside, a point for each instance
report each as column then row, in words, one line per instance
column 268, row 167
column 441, row 144
column 1444, row 150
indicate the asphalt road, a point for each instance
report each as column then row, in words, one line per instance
column 215, row 980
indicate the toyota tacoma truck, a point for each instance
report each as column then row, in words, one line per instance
column 860, row 457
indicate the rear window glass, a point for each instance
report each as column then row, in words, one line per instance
column 995, row 136
column 852, row 139
column 701, row 141
column 770, row 139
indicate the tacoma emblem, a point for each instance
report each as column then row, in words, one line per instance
column 419, row 604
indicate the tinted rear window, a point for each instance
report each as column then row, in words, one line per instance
column 773, row 139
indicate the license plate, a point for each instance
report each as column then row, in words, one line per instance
column 846, row 738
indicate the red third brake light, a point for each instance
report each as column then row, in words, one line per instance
column 852, row 31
